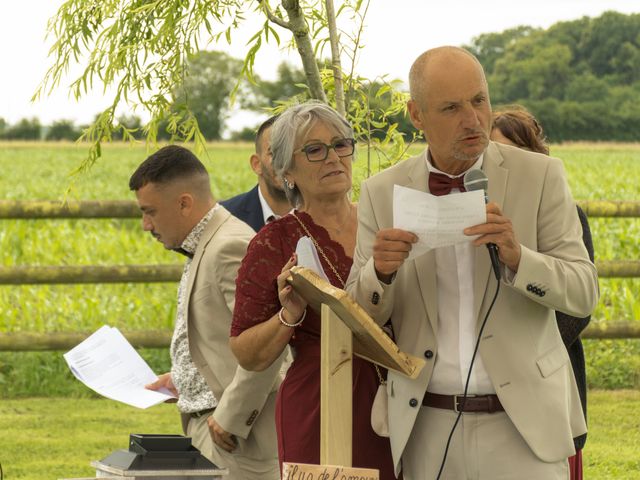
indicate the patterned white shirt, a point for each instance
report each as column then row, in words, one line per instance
column 194, row 392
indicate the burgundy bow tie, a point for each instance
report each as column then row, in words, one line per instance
column 441, row 184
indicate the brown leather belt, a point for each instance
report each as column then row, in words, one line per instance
column 201, row 413
column 472, row 404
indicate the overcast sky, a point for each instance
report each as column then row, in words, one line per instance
column 396, row 32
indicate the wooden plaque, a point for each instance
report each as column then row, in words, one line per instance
column 304, row 471
column 369, row 340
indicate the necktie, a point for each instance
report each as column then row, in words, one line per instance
column 441, row 184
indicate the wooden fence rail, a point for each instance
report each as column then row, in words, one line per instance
column 31, row 275
column 29, row 210
column 54, row 341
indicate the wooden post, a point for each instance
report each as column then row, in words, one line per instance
column 336, row 390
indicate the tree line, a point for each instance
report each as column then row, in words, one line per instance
column 580, row 78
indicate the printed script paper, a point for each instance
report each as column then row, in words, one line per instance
column 437, row 221
column 108, row 364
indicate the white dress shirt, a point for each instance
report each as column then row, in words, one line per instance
column 267, row 213
column 457, row 325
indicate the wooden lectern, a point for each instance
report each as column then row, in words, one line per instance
column 346, row 330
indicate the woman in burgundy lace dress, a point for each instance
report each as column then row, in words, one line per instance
column 312, row 148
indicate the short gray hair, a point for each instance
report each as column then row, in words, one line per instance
column 291, row 127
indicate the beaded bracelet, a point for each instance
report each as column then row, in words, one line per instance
column 291, row 325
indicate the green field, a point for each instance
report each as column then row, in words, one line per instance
column 41, row 171
column 45, row 438
column 52, row 440
column 37, row 171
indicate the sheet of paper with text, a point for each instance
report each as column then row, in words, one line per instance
column 437, row 221
column 108, row 364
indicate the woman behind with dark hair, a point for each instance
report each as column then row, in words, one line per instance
column 514, row 125
column 313, row 149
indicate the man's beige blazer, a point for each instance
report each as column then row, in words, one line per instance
column 521, row 347
column 246, row 400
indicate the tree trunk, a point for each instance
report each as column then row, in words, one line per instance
column 300, row 30
column 335, row 58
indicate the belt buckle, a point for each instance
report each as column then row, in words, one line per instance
column 457, row 399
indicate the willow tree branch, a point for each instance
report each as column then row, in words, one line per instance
column 300, row 30
column 272, row 16
column 335, row 57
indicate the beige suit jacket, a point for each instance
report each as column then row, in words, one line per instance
column 521, row 347
column 246, row 400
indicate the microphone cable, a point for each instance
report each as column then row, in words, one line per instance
column 466, row 384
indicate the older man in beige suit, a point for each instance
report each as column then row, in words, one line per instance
column 523, row 408
column 228, row 411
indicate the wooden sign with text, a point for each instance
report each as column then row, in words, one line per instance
column 305, row 471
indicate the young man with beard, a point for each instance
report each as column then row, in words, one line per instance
column 266, row 201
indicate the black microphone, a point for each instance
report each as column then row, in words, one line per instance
column 476, row 179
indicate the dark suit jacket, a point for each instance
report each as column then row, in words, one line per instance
column 570, row 329
column 247, row 208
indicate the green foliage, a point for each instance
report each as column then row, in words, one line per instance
column 209, row 80
column 139, row 49
column 149, row 54
column 130, row 128
column 63, row 130
column 490, row 47
column 374, row 109
column 613, row 364
column 247, row 134
column 580, row 78
column 289, row 84
column 25, row 129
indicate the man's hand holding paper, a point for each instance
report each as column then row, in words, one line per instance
column 436, row 221
column 108, row 364
column 423, row 221
column 390, row 249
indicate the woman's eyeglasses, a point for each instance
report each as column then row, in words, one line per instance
column 318, row 152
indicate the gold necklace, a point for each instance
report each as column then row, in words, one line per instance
column 339, row 228
column 319, row 248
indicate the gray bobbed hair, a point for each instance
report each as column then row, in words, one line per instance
column 288, row 134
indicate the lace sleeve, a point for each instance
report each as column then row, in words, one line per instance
column 256, row 284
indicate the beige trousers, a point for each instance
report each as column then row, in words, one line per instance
column 240, row 467
column 485, row 446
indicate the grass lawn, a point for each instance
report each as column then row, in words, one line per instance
column 49, row 438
